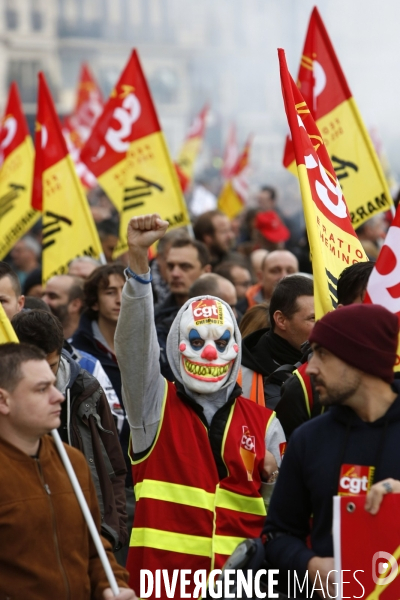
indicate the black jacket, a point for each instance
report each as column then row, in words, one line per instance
column 87, row 424
column 263, row 352
column 309, row 478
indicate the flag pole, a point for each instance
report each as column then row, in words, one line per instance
column 86, row 512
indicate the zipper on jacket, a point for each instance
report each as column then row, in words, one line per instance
column 53, row 518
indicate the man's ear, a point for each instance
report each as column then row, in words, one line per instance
column 75, row 306
column 207, row 269
column 4, row 402
column 21, row 303
column 280, row 320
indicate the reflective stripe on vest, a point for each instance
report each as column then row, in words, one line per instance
column 191, row 496
column 305, row 383
column 256, row 391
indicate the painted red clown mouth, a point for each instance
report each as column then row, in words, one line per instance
column 205, row 372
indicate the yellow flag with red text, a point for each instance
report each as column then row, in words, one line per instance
column 234, row 194
column 191, row 148
column 128, row 154
column 333, row 241
column 325, row 90
column 7, row 333
column 16, row 150
column 69, row 230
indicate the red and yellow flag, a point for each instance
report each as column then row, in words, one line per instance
column 231, row 154
column 333, row 242
column 191, row 148
column 7, row 333
column 324, row 88
column 68, row 226
column 78, row 126
column 128, row 154
column 234, row 194
column 16, row 150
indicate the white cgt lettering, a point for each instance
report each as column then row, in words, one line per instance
column 126, row 115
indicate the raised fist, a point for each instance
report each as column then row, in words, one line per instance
column 143, row 231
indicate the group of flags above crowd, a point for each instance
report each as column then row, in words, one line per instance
column 120, row 146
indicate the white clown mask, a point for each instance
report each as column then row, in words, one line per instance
column 207, row 346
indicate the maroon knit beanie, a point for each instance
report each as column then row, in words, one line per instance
column 363, row 335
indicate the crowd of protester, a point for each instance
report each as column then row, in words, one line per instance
column 263, row 278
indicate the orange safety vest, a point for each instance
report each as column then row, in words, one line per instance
column 186, row 517
column 257, row 387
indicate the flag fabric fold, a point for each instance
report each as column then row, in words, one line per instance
column 191, row 148
column 68, row 226
column 234, row 195
column 324, row 88
column 16, row 150
column 333, row 242
column 7, row 333
column 128, row 154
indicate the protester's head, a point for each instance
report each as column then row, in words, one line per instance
column 64, row 295
column 186, row 260
column 10, row 291
column 276, row 266
column 33, row 284
column 103, row 293
column 237, row 274
column 254, row 318
column 83, row 266
column 257, row 258
column 34, row 303
column 203, row 346
column 163, row 248
column 213, row 228
column 351, row 346
column 25, row 254
column 211, row 284
column 30, row 405
column 291, row 310
column 42, row 329
column 373, row 230
column 352, row 283
column 266, row 198
column 109, row 235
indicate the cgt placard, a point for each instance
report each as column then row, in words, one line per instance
column 367, row 548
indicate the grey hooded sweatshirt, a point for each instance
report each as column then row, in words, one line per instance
column 143, row 386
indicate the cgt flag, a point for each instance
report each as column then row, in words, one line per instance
column 333, row 242
column 384, row 282
column 78, row 126
column 7, row 333
column 190, row 149
column 324, row 88
column 231, row 154
column 68, row 226
column 16, row 150
column 128, row 154
column 234, row 194
column 366, row 548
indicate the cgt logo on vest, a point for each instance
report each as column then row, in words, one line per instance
column 355, row 480
column 248, row 451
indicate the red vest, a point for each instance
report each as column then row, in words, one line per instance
column 185, row 516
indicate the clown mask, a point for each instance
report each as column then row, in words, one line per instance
column 207, row 346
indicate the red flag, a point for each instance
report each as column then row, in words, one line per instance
column 333, row 242
column 16, row 153
column 324, row 88
column 128, row 154
column 191, row 148
column 231, row 154
column 234, row 194
column 68, row 227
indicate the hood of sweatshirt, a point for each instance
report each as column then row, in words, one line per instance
column 218, row 398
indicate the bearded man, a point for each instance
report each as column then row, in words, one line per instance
column 199, row 449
